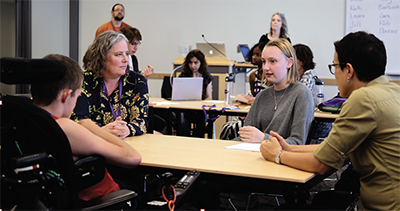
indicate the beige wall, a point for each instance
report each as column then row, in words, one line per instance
column 7, row 41
column 167, row 24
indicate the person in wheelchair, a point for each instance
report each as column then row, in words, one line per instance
column 58, row 99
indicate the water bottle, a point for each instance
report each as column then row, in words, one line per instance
column 228, row 88
column 319, row 90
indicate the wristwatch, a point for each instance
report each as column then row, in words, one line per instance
column 278, row 157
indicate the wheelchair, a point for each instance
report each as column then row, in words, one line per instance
column 37, row 166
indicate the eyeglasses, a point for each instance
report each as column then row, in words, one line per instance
column 330, row 68
column 117, row 10
column 135, row 43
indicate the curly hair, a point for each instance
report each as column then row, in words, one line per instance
column 201, row 57
column 259, row 45
column 305, row 55
column 96, row 54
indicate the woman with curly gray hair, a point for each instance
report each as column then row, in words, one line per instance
column 114, row 97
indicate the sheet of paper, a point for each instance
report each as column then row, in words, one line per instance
column 214, row 101
column 254, row 147
column 165, row 103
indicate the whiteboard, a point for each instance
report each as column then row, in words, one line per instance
column 381, row 18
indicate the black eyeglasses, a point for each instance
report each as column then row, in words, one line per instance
column 330, row 68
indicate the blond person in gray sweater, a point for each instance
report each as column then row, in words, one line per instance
column 286, row 106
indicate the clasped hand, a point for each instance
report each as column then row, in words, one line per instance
column 118, row 128
column 269, row 148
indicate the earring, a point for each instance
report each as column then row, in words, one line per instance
column 348, row 80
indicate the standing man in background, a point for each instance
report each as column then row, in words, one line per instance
column 116, row 23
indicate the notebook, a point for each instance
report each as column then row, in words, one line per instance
column 211, row 52
column 244, row 48
column 187, row 88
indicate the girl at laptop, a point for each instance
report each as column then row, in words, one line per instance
column 286, row 105
column 195, row 65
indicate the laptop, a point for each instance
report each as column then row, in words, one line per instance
column 244, row 48
column 210, row 52
column 187, row 88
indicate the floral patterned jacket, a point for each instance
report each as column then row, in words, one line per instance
column 94, row 104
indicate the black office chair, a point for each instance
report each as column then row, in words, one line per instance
column 38, row 170
column 191, row 126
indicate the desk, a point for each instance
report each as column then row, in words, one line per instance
column 180, row 106
column 160, row 152
column 197, row 105
column 244, row 109
column 325, row 115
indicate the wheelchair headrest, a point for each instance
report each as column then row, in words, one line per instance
column 29, row 71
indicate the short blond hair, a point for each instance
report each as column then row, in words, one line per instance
column 288, row 50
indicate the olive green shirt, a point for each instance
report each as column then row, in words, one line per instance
column 368, row 129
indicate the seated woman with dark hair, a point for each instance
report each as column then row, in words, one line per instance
column 305, row 66
column 195, row 65
column 257, row 79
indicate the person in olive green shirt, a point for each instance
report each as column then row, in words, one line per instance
column 367, row 129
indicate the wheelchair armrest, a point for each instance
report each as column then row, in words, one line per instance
column 28, row 160
column 113, row 198
column 90, row 170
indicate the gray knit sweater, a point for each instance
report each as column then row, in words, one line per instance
column 292, row 118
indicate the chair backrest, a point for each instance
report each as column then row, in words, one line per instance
column 166, row 88
column 27, row 129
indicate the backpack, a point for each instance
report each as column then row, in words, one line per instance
column 333, row 105
column 230, row 129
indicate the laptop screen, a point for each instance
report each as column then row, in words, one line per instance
column 212, row 50
column 244, row 48
column 187, row 88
